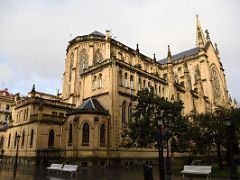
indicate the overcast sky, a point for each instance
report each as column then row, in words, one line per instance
column 34, row 34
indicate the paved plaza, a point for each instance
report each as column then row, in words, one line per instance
column 121, row 173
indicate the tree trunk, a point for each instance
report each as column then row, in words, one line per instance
column 219, row 155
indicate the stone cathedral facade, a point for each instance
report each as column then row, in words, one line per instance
column 101, row 75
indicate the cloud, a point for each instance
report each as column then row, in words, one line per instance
column 34, row 34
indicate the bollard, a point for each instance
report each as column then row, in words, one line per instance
column 148, row 173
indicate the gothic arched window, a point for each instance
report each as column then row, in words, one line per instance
column 94, row 82
column 126, row 80
column 102, row 134
column 144, row 83
column 1, row 142
column 130, row 113
column 51, row 139
column 23, row 137
column 15, row 139
column 124, row 113
column 120, row 78
column 131, row 82
column 70, row 134
column 83, row 61
column 71, row 66
column 97, row 57
column 215, row 84
column 31, row 138
column 149, row 85
column 139, row 84
column 100, row 80
column 9, row 140
column 85, row 134
column 197, row 75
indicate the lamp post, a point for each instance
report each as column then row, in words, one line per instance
column 231, row 134
column 160, row 148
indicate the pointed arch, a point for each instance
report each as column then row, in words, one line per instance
column 94, row 82
column 139, row 84
column 100, row 80
column 23, row 138
column 124, row 113
column 70, row 134
column 15, row 139
column 120, row 78
column 130, row 113
column 31, row 137
column 51, row 139
column 97, row 57
column 9, row 140
column 85, row 134
column 102, row 135
column 2, row 142
column 83, row 61
column 71, row 66
column 126, row 80
column 131, row 82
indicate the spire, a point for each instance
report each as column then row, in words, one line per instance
column 200, row 39
column 169, row 57
column 154, row 57
column 33, row 88
column 137, row 49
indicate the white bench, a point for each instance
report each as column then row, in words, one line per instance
column 70, row 168
column 55, row 167
column 206, row 170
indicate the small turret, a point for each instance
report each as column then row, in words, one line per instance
column 216, row 48
column 154, row 58
column 137, row 50
column 170, row 77
column 169, row 57
column 207, row 35
column 33, row 88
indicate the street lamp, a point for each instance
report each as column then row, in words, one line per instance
column 160, row 148
column 233, row 168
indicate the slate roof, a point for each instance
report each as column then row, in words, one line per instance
column 97, row 33
column 180, row 55
column 90, row 106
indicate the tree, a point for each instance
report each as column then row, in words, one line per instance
column 209, row 132
column 143, row 132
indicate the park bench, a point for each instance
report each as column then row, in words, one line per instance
column 205, row 170
column 55, row 167
column 70, row 168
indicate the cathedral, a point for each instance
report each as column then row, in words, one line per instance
column 85, row 122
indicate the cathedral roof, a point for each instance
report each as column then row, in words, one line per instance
column 181, row 55
column 97, row 33
column 91, row 106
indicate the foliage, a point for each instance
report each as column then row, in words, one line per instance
column 143, row 132
column 210, row 132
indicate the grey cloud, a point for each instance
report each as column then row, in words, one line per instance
column 34, row 34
